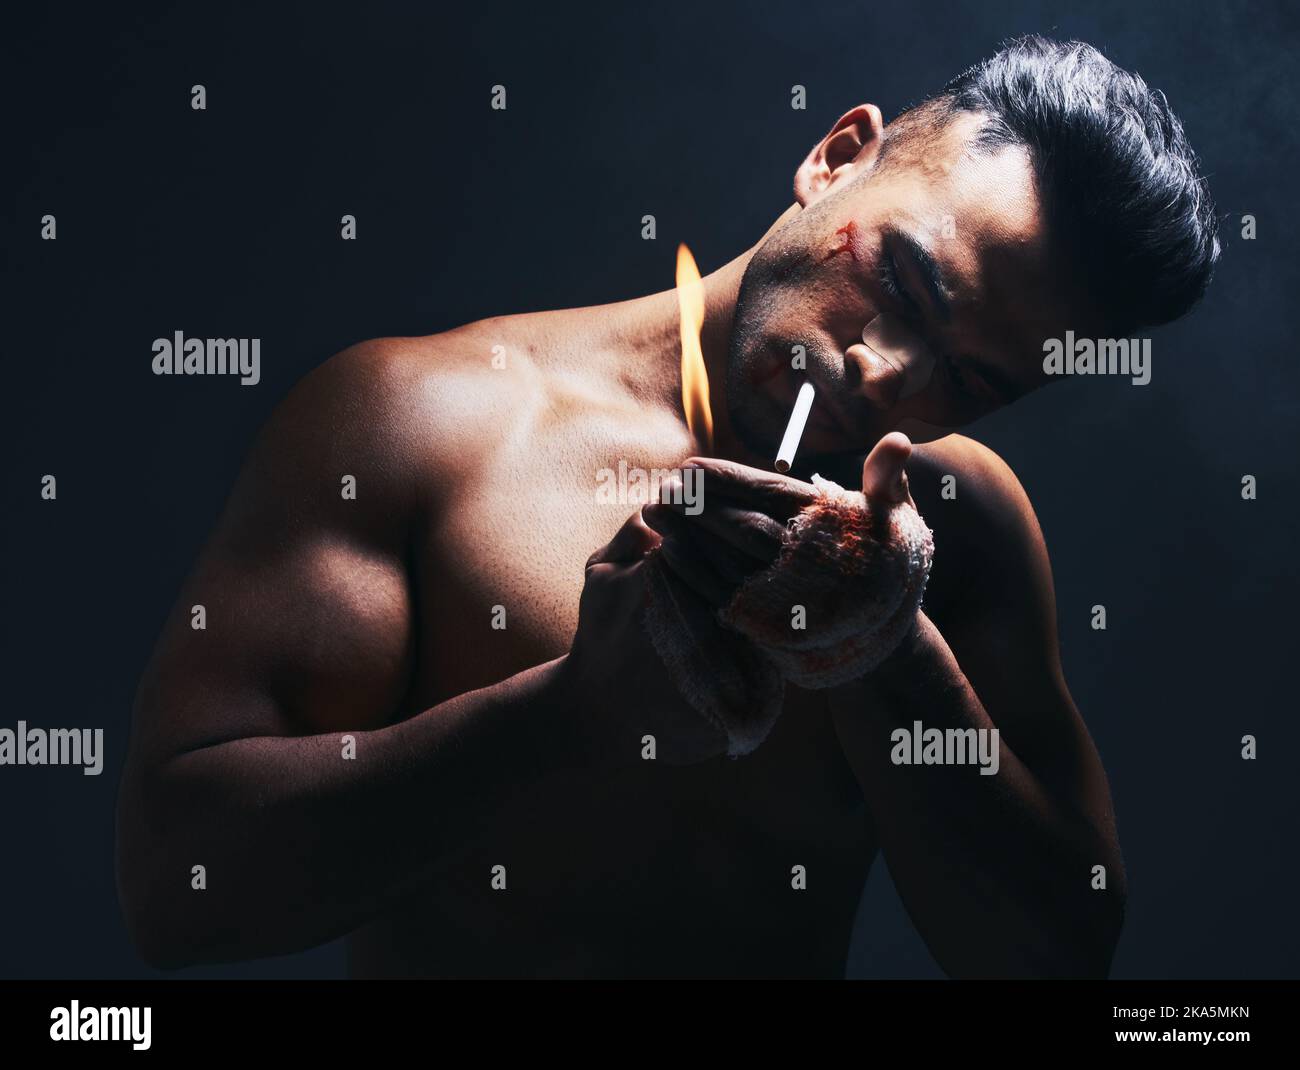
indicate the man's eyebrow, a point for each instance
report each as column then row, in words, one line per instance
column 929, row 271
column 932, row 275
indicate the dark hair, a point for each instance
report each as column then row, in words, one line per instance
column 1120, row 185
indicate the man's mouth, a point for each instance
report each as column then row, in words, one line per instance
column 827, row 419
column 832, row 420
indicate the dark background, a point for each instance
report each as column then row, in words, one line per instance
column 226, row 223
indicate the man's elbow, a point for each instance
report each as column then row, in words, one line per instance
column 153, row 885
column 159, row 948
column 1089, row 932
column 152, row 924
column 1065, row 937
column 1107, row 923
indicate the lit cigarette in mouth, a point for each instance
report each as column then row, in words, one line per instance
column 794, row 429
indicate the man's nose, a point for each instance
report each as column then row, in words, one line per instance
column 871, row 375
column 891, row 363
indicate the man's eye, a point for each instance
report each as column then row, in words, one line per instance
column 971, row 388
column 889, row 282
column 960, row 380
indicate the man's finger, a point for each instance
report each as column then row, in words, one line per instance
column 630, row 543
column 772, row 493
column 884, row 473
column 689, row 567
column 756, row 535
column 726, row 560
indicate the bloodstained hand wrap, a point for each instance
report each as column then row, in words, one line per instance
column 858, row 567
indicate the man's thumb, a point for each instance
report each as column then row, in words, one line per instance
column 884, row 473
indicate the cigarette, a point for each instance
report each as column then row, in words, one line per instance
column 794, row 429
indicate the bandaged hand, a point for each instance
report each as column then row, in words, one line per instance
column 823, row 582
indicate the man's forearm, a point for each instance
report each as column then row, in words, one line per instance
column 994, row 869
column 300, row 844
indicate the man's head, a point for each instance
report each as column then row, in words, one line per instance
column 1042, row 190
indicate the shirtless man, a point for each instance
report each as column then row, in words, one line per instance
column 1044, row 190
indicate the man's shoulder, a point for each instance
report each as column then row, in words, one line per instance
column 406, row 406
column 972, row 498
column 447, row 377
column 977, row 471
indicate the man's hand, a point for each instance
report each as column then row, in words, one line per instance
column 613, row 673
column 745, row 513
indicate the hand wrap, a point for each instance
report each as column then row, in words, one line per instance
column 857, row 567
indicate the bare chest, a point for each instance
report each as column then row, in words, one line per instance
column 496, row 585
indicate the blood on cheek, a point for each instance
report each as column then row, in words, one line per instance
column 848, row 235
column 848, row 243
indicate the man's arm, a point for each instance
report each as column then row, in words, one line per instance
column 996, row 871
column 237, row 762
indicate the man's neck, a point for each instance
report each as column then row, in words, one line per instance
column 650, row 364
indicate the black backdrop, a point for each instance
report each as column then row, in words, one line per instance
column 225, row 223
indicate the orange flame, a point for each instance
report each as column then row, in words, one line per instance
column 695, row 380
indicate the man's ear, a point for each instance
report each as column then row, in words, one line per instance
column 850, row 147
